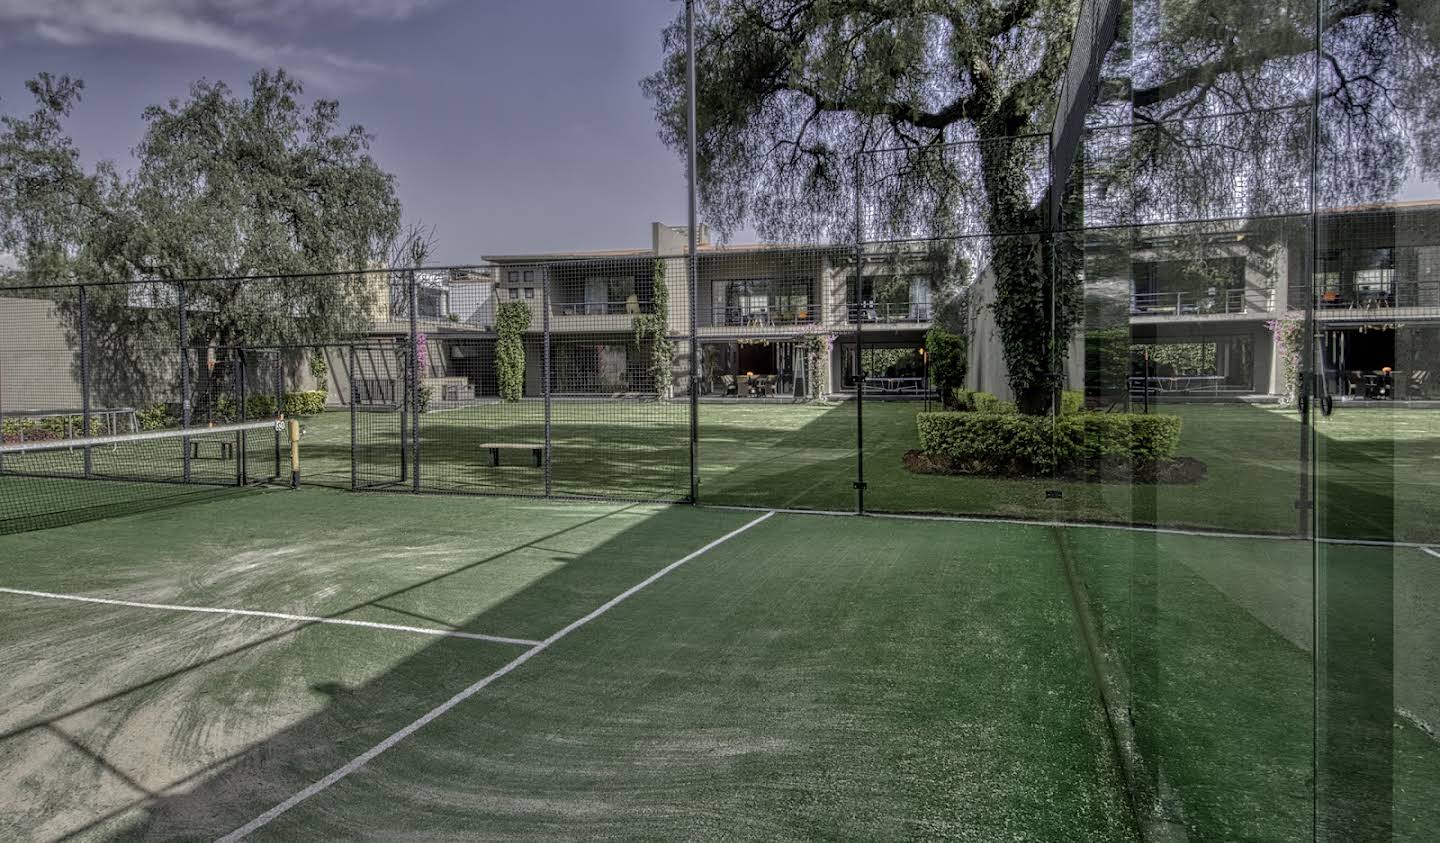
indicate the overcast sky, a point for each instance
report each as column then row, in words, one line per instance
column 511, row 125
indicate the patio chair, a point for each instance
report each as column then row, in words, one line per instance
column 731, row 388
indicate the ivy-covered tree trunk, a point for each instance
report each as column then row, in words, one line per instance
column 512, row 318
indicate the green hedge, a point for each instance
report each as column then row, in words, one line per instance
column 1012, row 443
column 259, row 407
column 1071, row 402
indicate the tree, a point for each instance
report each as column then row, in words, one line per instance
column 947, row 362
column 227, row 191
column 791, row 93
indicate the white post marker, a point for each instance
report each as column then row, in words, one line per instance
column 364, row 758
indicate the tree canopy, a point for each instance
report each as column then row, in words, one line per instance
column 791, row 93
column 226, row 188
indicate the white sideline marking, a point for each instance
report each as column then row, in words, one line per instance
column 251, row 613
column 1084, row 525
column 1432, row 551
column 364, row 758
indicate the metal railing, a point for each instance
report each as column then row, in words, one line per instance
column 625, row 307
column 888, row 312
column 1353, row 297
column 1189, row 303
column 763, row 315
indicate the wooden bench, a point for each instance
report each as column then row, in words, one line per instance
column 536, row 451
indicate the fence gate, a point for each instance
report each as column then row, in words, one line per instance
column 378, row 417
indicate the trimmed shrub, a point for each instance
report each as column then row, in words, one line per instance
column 309, row 403
column 962, row 398
column 1016, row 444
column 985, row 402
column 1072, row 401
column 156, row 417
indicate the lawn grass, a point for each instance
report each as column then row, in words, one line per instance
column 1377, row 467
column 812, row 677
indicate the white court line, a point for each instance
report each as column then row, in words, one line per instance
column 1432, row 551
column 1084, row 525
column 251, row 613
column 365, row 757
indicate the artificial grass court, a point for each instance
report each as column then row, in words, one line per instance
column 809, row 676
column 1377, row 465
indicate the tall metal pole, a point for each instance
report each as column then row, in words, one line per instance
column 859, row 340
column 692, row 263
column 184, row 339
column 546, row 386
column 414, row 397
column 85, row 376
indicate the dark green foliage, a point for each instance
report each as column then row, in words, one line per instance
column 512, row 319
column 985, row 402
column 223, row 184
column 947, row 353
column 260, row 407
column 1016, row 444
column 962, row 398
column 156, row 417
column 652, row 326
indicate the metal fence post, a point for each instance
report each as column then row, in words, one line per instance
column 184, row 338
column 84, row 337
column 279, row 405
column 414, row 368
column 691, row 259
column 240, row 396
column 353, row 362
column 546, row 386
column 859, row 339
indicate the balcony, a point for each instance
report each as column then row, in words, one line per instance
column 764, row 316
column 889, row 313
column 1190, row 303
column 1353, row 297
column 626, row 307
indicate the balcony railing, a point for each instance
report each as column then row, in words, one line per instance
column 763, row 316
column 888, row 312
column 601, row 308
column 1199, row 304
column 1351, row 297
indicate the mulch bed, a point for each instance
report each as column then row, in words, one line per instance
column 1181, row 470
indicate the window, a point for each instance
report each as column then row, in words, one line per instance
column 512, row 276
column 514, row 293
column 529, row 276
column 1376, row 280
column 529, row 292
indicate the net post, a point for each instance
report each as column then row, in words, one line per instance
column 402, row 398
column 84, row 338
column 413, row 366
column 546, row 387
column 184, row 340
column 292, row 428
